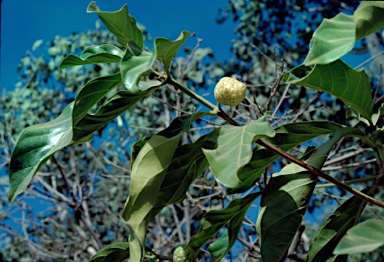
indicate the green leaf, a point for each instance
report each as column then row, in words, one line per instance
column 335, row 37
column 120, row 23
column 188, row 162
column 285, row 200
column 334, row 228
column 114, row 252
column 135, row 63
column 339, row 80
column 35, row 145
column 368, row 18
column 94, row 55
column 234, row 150
column 213, row 220
column 287, row 137
column 362, row 238
column 147, row 175
column 167, row 49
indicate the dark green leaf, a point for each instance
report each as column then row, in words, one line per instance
column 338, row 79
column 234, row 150
column 212, row 221
column 368, row 18
column 147, row 175
column 285, row 200
column 120, row 23
column 114, row 252
column 35, row 145
column 362, row 238
column 188, row 162
column 94, row 55
column 334, row 229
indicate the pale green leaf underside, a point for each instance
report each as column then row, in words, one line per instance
column 234, row 150
column 335, row 37
column 120, row 23
column 167, row 49
column 362, row 238
column 332, row 39
column 339, row 80
column 94, row 55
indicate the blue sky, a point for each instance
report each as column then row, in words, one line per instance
column 24, row 21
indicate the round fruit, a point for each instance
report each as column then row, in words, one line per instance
column 229, row 91
column 184, row 253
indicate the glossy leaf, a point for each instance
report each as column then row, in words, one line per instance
column 335, row 37
column 334, row 228
column 109, row 110
column 234, row 150
column 35, row 145
column 94, row 55
column 338, row 79
column 167, row 49
column 135, row 63
column 120, row 23
column 287, row 137
column 114, row 252
column 362, row 238
column 214, row 220
column 147, row 175
column 277, row 223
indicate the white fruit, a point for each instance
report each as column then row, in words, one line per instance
column 229, row 91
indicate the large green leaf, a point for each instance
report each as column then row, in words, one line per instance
column 135, row 63
column 114, row 252
column 167, row 49
column 234, row 150
column 362, row 238
column 213, row 220
column 334, row 228
column 368, row 18
column 287, row 137
column 147, row 175
column 339, row 80
column 93, row 55
column 335, row 37
column 36, row 144
column 285, row 200
column 120, row 23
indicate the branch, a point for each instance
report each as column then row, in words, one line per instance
column 275, row 149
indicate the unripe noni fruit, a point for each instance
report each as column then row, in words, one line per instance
column 184, row 253
column 229, row 91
